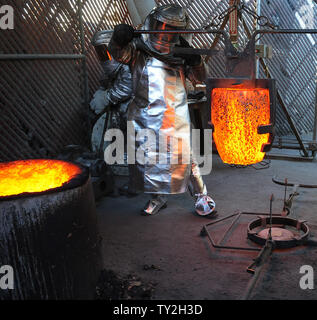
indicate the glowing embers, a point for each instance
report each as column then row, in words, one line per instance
column 33, row 176
column 236, row 116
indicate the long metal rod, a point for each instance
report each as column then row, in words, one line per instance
column 288, row 147
column 288, row 116
column 285, row 157
column 225, row 35
column 286, row 183
column 229, row 229
column 192, row 31
column 188, row 31
column 263, row 259
column 284, row 31
column 41, row 56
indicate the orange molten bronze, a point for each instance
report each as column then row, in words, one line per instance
column 236, row 116
column 32, row 176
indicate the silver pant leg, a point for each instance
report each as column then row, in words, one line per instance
column 197, row 185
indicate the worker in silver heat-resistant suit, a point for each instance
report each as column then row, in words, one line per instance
column 159, row 103
column 116, row 84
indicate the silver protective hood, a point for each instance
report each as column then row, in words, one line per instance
column 101, row 42
column 168, row 17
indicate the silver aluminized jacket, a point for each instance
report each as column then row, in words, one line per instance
column 159, row 102
column 116, row 90
column 117, row 81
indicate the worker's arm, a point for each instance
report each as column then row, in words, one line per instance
column 122, row 87
column 197, row 74
column 194, row 64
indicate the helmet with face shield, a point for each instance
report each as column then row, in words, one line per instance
column 169, row 17
column 101, row 41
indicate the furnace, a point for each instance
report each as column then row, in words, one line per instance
column 48, row 229
column 243, row 118
column 23, row 177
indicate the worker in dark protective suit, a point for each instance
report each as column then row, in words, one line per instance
column 159, row 103
column 115, row 91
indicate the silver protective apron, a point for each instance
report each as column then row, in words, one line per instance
column 159, row 102
column 167, row 165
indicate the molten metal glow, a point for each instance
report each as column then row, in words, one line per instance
column 236, row 115
column 32, row 176
column 109, row 55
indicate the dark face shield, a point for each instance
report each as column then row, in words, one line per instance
column 159, row 38
column 103, row 53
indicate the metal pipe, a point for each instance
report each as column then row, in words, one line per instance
column 225, row 35
column 139, row 10
column 261, row 263
column 284, row 31
column 229, row 229
column 315, row 121
column 41, row 56
column 258, row 11
column 84, row 52
column 285, row 157
column 192, row 31
column 286, row 147
column 288, row 184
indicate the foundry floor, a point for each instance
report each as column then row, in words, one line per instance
column 186, row 266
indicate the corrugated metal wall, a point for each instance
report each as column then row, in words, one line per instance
column 42, row 101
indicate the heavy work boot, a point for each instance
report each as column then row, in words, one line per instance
column 157, row 203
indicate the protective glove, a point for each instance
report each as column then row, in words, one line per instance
column 191, row 60
column 100, row 102
column 123, row 34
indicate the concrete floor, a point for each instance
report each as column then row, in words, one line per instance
column 189, row 268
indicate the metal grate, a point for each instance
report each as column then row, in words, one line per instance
column 294, row 63
column 42, row 99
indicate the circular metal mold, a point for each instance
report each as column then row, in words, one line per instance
column 278, row 234
column 296, row 234
column 52, row 242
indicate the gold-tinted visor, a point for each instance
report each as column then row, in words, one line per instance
column 159, row 37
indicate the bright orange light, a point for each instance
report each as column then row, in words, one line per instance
column 236, row 115
column 109, row 55
column 32, row 176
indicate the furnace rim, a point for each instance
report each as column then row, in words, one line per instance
column 75, row 182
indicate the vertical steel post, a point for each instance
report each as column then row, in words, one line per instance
column 83, row 52
column 258, row 11
column 315, row 121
